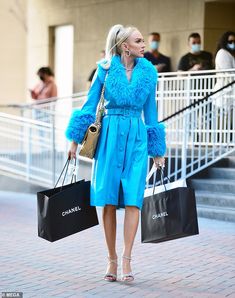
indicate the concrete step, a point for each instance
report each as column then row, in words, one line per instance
column 225, row 173
column 232, row 153
column 219, row 213
column 231, row 162
column 215, row 198
column 215, row 185
column 228, row 162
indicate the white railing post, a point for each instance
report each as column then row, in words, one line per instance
column 175, row 92
column 53, row 152
column 184, row 144
column 160, row 101
column 28, row 151
column 186, row 128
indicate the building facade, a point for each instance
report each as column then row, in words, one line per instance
column 69, row 34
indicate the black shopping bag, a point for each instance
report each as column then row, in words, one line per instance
column 169, row 215
column 65, row 210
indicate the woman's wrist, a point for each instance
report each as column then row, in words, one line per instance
column 159, row 161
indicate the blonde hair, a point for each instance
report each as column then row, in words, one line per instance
column 116, row 36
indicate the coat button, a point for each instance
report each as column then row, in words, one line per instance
column 121, row 148
column 122, row 133
column 119, row 165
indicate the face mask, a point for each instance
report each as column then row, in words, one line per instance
column 195, row 48
column 154, row 45
column 231, row 46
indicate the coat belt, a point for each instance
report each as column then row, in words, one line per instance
column 127, row 112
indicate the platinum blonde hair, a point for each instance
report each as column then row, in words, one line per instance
column 116, row 36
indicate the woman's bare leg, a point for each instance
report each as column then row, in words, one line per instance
column 109, row 224
column 131, row 222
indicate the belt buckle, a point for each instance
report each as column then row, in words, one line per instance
column 126, row 112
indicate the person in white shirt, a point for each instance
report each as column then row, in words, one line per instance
column 224, row 101
column 224, row 60
column 225, row 54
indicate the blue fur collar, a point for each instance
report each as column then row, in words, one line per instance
column 135, row 92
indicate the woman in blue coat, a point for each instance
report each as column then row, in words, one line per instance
column 120, row 163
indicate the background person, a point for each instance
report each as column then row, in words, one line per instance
column 225, row 52
column 224, row 101
column 160, row 61
column 90, row 78
column 120, row 163
column 46, row 88
column 196, row 59
column 224, row 59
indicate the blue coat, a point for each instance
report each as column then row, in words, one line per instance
column 120, row 164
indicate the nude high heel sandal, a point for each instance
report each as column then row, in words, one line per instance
column 111, row 276
column 127, row 277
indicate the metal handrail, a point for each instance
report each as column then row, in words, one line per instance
column 197, row 102
column 196, row 137
column 42, row 101
column 195, row 73
column 14, row 118
column 164, row 75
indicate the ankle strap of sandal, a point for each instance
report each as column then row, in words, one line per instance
column 126, row 257
column 112, row 260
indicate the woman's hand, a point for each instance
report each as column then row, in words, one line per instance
column 159, row 161
column 33, row 94
column 72, row 150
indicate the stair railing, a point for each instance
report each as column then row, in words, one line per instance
column 198, row 134
column 201, row 133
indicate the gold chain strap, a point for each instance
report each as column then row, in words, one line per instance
column 100, row 109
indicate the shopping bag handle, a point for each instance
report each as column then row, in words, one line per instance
column 65, row 168
column 155, row 169
column 162, row 179
column 162, row 176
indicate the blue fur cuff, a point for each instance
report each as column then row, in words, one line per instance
column 78, row 124
column 156, row 140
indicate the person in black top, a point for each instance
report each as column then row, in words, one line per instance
column 196, row 59
column 160, row 61
column 91, row 75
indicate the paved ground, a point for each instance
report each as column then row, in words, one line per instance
column 199, row 266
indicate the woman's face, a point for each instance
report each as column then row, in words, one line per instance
column 231, row 42
column 41, row 76
column 135, row 44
